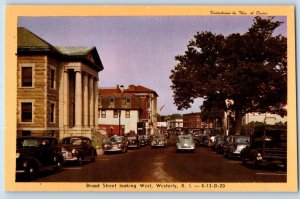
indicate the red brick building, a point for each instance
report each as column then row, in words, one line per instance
column 193, row 121
column 123, row 110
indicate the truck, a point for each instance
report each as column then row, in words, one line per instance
column 268, row 145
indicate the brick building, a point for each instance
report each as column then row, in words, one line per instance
column 56, row 88
column 193, row 121
column 123, row 110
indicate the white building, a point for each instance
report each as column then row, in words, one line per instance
column 266, row 118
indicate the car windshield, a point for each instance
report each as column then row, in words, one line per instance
column 159, row 137
column 27, row 143
column 185, row 139
column 131, row 138
column 73, row 141
column 115, row 139
column 241, row 139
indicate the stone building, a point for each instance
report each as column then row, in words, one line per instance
column 123, row 110
column 57, row 87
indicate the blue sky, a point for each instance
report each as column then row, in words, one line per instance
column 137, row 50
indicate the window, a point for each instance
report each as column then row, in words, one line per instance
column 127, row 114
column 52, row 112
column 99, row 102
column 103, row 114
column 112, row 102
column 26, row 111
column 115, row 114
column 52, row 78
column 26, row 76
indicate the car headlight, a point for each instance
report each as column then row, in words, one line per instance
column 73, row 150
column 17, row 155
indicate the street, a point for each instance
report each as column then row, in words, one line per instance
column 163, row 165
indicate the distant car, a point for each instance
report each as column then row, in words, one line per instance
column 115, row 144
column 142, row 140
column 185, row 143
column 268, row 145
column 133, row 142
column 78, row 149
column 34, row 154
column 218, row 144
column 159, row 140
column 203, row 140
column 235, row 145
column 147, row 139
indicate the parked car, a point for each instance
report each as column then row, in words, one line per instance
column 203, row 140
column 268, row 145
column 147, row 139
column 159, row 140
column 218, row 144
column 78, row 149
column 133, row 142
column 142, row 140
column 115, row 144
column 234, row 145
column 34, row 154
column 185, row 143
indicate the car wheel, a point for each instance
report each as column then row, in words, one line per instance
column 32, row 172
column 58, row 164
column 80, row 161
column 244, row 161
column 254, row 163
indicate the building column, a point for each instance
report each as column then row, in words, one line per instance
column 96, row 101
column 78, row 99
column 85, row 100
column 91, row 101
column 66, row 98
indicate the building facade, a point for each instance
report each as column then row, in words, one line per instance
column 56, row 88
column 193, row 121
column 127, row 110
column 267, row 118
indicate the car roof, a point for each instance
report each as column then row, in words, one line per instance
column 37, row 137
column 81, row 137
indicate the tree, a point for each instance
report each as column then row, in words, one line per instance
column 249, row 68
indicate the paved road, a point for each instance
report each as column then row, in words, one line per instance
column 164, row 165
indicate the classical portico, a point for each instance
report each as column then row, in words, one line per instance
column 79, row 99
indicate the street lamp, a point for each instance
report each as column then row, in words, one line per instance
column 119, row 111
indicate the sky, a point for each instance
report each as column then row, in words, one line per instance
column 138, row 50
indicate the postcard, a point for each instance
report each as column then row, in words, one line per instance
column 150, row 98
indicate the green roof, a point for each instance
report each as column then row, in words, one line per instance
column 75, row 50
column 28, row 40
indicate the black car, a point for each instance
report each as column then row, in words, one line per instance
column 34, row 154
column 234, row 145
column 142, row 140
column 268, row 145
column 133, row 142
column 78, row 149
column 218, row 144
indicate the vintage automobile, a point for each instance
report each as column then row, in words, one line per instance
column 203, row 140
column 115, row 144
column 268, row 145
column 78, row 149
column 185, row 143
column 142, row 140
column 133, row 142
column 147, row 139
column 234, row 145
column 159, row 140
column 218, row 144
column 34, row 154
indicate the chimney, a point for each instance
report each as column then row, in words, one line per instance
column 122, row 88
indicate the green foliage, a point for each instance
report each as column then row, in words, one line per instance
column 249, row 68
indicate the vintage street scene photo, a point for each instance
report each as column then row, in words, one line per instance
column 152, row 99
